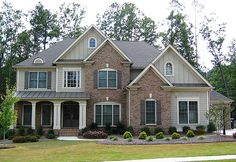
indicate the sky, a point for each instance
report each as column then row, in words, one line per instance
column 157, row 10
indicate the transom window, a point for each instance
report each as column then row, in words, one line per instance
column 107, row 79
column 27, row 115
column 92, row 43
column 188, row 112
column 46, row 118
column 71, row 78
column 37, row 79
column 150, row 111
column 107, row 114
column 169, row 69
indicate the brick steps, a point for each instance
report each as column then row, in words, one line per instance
column 69, row 132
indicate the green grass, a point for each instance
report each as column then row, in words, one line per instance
column 68, row 151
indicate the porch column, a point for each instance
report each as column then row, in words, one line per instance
column 12, row 126
column 82, row 114
column 33, row 114
column 56, row 115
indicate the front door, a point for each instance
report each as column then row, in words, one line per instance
column 70, row 115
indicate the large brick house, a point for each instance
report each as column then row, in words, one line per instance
column 77, row 82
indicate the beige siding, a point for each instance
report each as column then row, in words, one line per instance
column 182, row 73
column 20, row 81
column 202, row 107
column 81, row 50
column 60, row 79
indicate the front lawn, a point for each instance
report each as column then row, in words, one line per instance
column 90, row 151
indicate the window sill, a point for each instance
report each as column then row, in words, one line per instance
column 107, row 88
column 150, row 124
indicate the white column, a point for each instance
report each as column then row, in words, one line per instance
column 12, row 126
column 82, row 114
column 33, row 115
column 56, row 115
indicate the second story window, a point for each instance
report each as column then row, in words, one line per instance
column 71, row 78
column 169, row 69
column 37, row 79
column 92, row 43
column 107, row 79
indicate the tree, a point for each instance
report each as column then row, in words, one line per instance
column 126, row 22
column 69, row 20
column 7, row 113
column 179, row 33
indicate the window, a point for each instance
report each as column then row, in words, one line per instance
column 71, row 78
column 37, row 79
column 188, row 112
column 27, row 115
column 92, row 43
column 107, row 113
column 169, row 69
column 107, row 79
column 150, row 110
column 46, row 119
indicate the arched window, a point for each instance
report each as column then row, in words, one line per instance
column 169, row 69
column 92, row 43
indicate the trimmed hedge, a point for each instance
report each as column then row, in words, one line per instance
column 185, row 129
column 175, row 135
column 146, row 129
column 160, row 135
column 172, row 130
column 127, row 134
column 142, row 135
column 190, row 133
column 23, row 139
column 95, row 135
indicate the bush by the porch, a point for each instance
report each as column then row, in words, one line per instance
column 95, row 135
column 23, row 139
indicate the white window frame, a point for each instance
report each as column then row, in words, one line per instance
column 22, row 115
column 38, row 79
column 107, row 70
column 155, row 112
column 89, row 42
column 77, row 70
column 166, row 69
column 106, row 103
column 42, row 115
column 188, row 100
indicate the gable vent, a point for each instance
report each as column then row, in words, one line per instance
column 38, row 61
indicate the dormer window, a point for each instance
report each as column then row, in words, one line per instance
column 92, row 43
column 169, row 71
column 38, row 61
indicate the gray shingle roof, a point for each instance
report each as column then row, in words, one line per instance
column 48, row 55
column 190, row 85
column 140, row 53
column 51, row 95
column 216, row 96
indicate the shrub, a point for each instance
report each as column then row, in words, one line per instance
column 185, row 129
column 51, row 134
column 167, row 138
column 21, row 131
column 29, row 131
column 159, row 135
column 200, row 129
column 95, row 135
column 93, row 126
column 145, row 129
column 127, row 134
column 130, row 139
column 175, row 135
column 211, row 127
column 172, row 130
column 39, row 131
column 130, row 129
column 150, row 139
column 108, row 128
column 19, row 139
column 84, row 130
column 120, row 128
column 115, row 138
column 31, row 139
column 157, row 130
column 10, row 134
column 142, row 135
column 190, row 133
column 201, row 138
column 184, row 138
column 234, row 135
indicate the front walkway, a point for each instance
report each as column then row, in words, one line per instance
column 74, row 138
column 229, row 132
column 185, row 159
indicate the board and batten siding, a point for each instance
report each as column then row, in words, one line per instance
column 81, row 50
column 60, row 79
column 203, row 105
column 20, row 79
column 182, row 73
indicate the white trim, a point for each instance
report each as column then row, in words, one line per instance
column 37, row 88
column 18, row 79
column 129, row 107
column 172, row 66
column 22, row 114
column 156, row 72
column 107, row 87
column 89, row 28
column 123, row 55
column 57, row 79
column 183, row 59
column 77, row 70
column 89, row 42
column 42, row 115
column 208, row 101
column 188, row 99
column 38, row 59
column 150, row 99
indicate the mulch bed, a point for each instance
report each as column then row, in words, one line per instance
column 7, row 147
column 136, row 141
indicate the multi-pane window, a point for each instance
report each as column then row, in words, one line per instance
column 107, row 79
column 27, row 115
column 71, row 78
column 92, row 43
column 46, row 114
column 188, row 112
column 150, row 110
column 169, row 69
column 37, row 79
column 107, row 114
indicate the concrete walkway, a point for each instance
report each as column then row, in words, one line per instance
column 228, row 132
column 185, row 159
column 74, row 138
